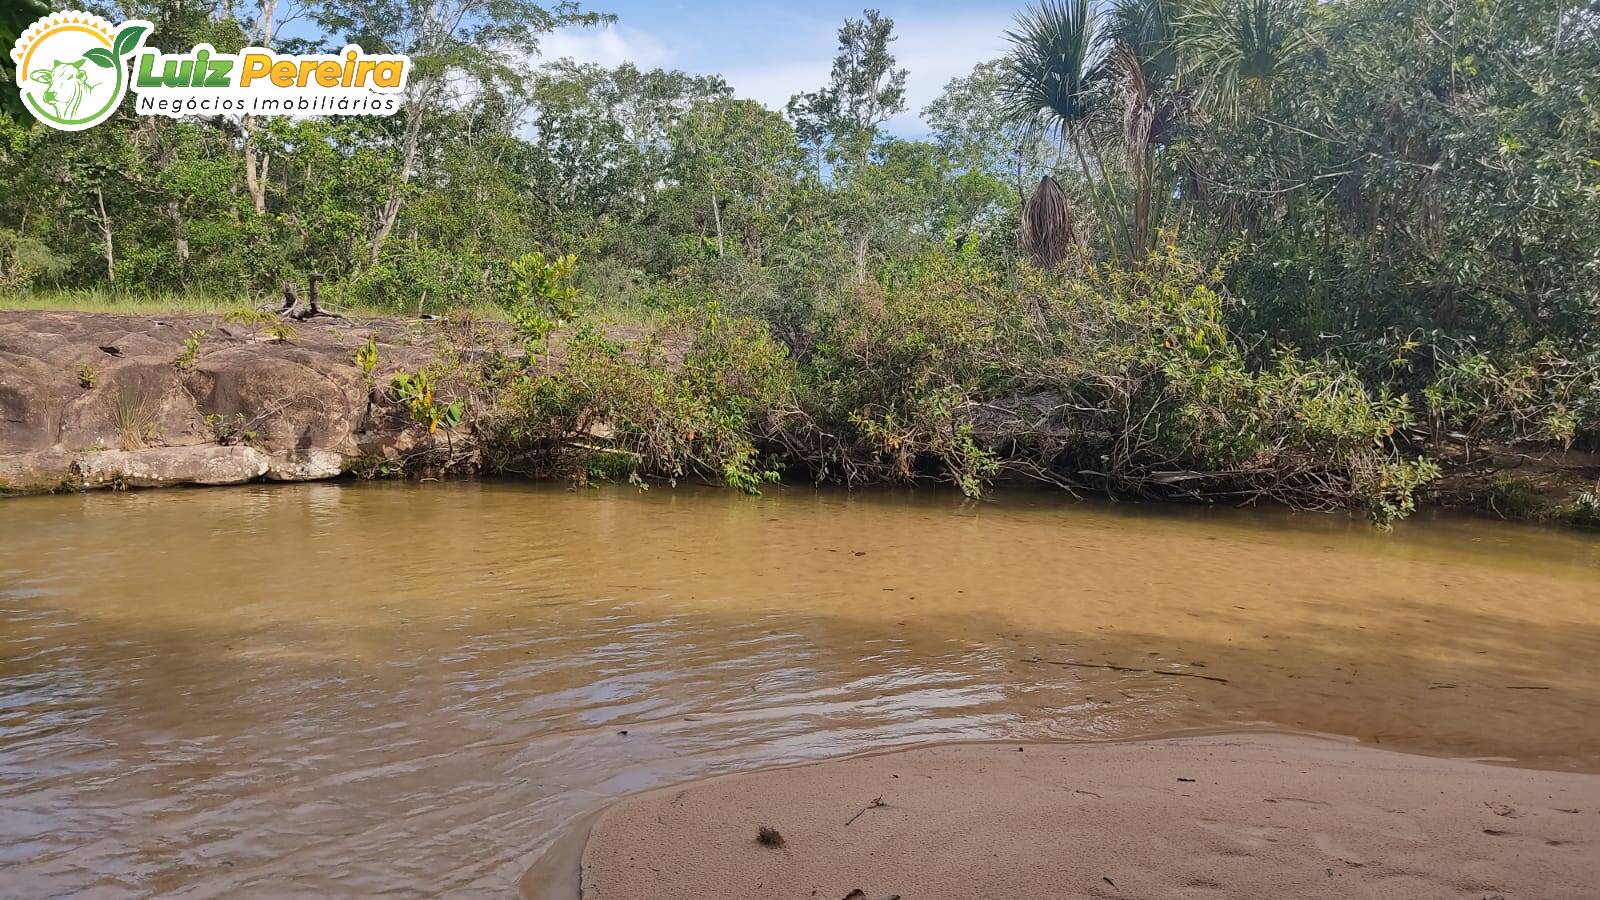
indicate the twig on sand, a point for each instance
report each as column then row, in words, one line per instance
column 1116, row 668
column 875, row 804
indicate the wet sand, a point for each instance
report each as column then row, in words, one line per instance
column 1250, row 815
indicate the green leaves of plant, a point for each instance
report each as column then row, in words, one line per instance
column 100, row 56
column 127, row 39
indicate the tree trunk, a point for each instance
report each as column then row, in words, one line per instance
column 716, row 214
column 255, row 165
column 861, row 256
column 167, row 155
column 105, row 236
column 174, row 214
column 1142, row 177
column 391, row 206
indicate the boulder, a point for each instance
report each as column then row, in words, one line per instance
column 306, row 465
column 95, row 400
column 33, row 396
column 290, row 400
column 36, row 472
column 134, row 403
column 167, row 466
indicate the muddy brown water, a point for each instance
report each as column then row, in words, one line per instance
column 413, row 690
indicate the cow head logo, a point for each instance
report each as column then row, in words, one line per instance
column 72, row 67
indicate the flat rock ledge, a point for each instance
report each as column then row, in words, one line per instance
column 1245, row 816
column 56, row 470
column 171, row 465
column 94, row 400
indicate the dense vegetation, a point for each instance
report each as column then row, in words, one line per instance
column 1184, row 248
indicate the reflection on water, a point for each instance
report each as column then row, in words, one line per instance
column 348, row 690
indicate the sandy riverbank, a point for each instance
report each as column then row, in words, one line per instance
column 1268, row 816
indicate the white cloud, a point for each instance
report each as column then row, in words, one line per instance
column 937, row 50
column 610, row 46
column 775, row 83
column 934, row 48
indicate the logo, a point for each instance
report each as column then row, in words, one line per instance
column 74, row 68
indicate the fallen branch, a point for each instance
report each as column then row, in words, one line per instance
column 291, row 303
column 877, row 802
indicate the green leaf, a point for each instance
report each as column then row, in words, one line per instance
column 100, row 56
column 127, row 39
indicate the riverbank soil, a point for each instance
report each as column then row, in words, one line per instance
column 1258, row 816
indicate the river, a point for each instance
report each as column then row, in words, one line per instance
column 410, row 690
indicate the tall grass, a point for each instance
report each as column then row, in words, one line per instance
column 109, row 301
column 104, row 300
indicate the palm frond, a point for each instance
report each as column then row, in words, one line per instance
column 1235, row 49
column 1051, row 66
column 1049, row 231
column 1146, row 27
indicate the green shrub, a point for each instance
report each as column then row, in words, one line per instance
column 1125, row 380
column 25, row 261
column 1539, row 395
column 692, row 399
column 897, row 369
column 541, row 294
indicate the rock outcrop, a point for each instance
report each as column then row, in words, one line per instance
column 92, row 400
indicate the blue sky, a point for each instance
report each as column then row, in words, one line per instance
column 769, row 51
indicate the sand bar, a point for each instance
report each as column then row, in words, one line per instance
column 1256, row 815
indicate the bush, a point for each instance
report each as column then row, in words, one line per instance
column 1118, row 380
column 895, row 373
column 25, row 261
column 1123, row 381
column 692, row 399
column 540, row 294
column 1540, row 395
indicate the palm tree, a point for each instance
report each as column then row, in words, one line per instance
column 1234, row 49
column 1048, row 85
column 1232, row 52
column 1138, row 72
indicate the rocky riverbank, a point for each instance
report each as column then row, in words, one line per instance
column 95, row 400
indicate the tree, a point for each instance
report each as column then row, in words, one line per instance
column 864, row 92
column 15, row 17
column 844, row 116
column 971, row 123
column 456, row 47
column 739, row 163
column 1049, row 87
column 605, row 142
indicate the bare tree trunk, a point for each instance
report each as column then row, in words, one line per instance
column 861, row 256
column 255, row 164
column 174, row 214
column 255, row 167
column 1142, row 178
column 391, row 207
column 105, row 236
column 716, row 214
